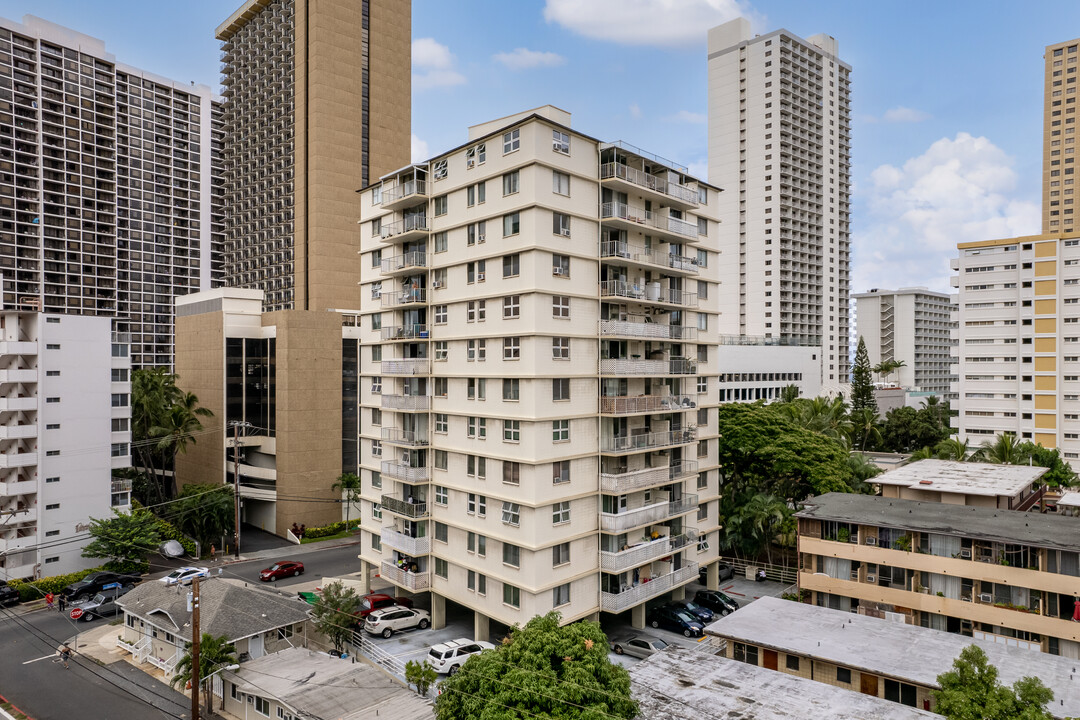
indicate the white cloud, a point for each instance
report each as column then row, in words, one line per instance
column 899, row 114
column 419, row 150
column 664, row 23
column 635, row 110
column 433, row 65
column 525, row 59
column 961, row 189
column 685, row 116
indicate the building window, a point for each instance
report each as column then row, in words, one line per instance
column 843, row 675
column 511, row 513
column 702, row 226
column 560, row 348
column 376, row 384
column 477, row 388
column 702, row 384
column 118, row 374
column 376, row 540
column 703, row 195
column 560, row 307
column 560, row 554
column 118, row 399
column 511, row 555
column 560, row 183
column 376, row 511
column 376, row 321
column 560, row 265
column 511, row 141
column 511, row 431
column 440, row 241
column 376, row 416
column 441, row 314
column 53, row 506
column 441, row 351
column 511, row 182
column 440, row 205
column 560, row 431
column 560, row 142
column 442, row 422
column 511, row 265
column 560, row 472
column 792, row 662
column 511, row 596
column 511, row 472
column 119, row 449
column 442, row 495
column 560, row 389
column 511, row 389
column 560, row 512
column 511, row 224
column 441, row 568
column 512, row 348
column 511, row 307
column 703, row 258
column 376, row 448
column 376, row 479
column 902, row 693
column 438, row 169
column 116, row 403
column 746, row 653
column 560, row 595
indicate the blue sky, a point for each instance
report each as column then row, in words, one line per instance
column 947, row 96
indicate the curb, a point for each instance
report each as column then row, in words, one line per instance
column 5, row 714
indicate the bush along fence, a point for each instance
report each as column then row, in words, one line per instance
column 329, row 530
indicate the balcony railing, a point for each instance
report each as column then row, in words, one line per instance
column 620, row 522
column 674, row 366
column 622, row 483
column 648, row 219
column 413, row 223
column 412, row 581
column 647, row 256
column 647, row 330
column 406, row 366
column 648, row 292
column 634, row 176
column 410, row 438
column 406, row 402
column 647, row 441
column 631, row 596
column 407, row 261
column 615, row 562
column 400, row 298
column 403, row 190
column 405, row 471
column 646, row 403
column 415, row 509
column 406, row 543
column 405, row 332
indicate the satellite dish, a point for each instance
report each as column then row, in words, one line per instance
column 171, row 548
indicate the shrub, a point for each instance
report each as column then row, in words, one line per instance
column 168, row 531
column 328, row 530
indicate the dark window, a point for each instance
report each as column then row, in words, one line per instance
column 793, row 662
column 843, row 675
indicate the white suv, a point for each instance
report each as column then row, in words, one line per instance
column 450, row 656
column 389, row 620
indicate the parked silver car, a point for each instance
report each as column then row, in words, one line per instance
column 389, row 620
column 641, row 646
column 448, row 657
column 103, row 604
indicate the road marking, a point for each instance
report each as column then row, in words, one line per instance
column 43, row 657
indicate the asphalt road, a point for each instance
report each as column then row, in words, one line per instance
column 318, row 563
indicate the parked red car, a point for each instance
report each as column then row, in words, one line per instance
column 377, row 601
column 284, row 568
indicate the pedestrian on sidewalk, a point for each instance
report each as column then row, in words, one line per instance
column 62, row 602
column 213, row 553
column 49, row 601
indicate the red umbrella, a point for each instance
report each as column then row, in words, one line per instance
column 1076, row 610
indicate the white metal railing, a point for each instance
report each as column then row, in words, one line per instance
column 631, row 596
column 647, row 441
column 621, row 483
column 619, row 522
column 403, row 190
column 673, row 366
column 398, row 436
column 405, row 332
column 408, row 296
column 646, row 403
column 414, row 509
column 647, row 218
column 406, row 366
column 404, row 471
column 406, row 543
column 405, row 261
column 414, row 581
column 647, row 292
column 647, row 330
column 614, row 170
column 413, row 223
column 682, row 193
column 640, row 554
column 406, row 402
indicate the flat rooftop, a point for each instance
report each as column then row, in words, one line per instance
column 1069, row 499
column 965, row 478
column 896, row 650
column 1041, row 530
column 681, row 683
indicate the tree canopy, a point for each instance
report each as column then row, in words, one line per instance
column 215, row 653
column 204, row 512
column 862, row 381
column 334, row 613
column 972, row 691
column 540, row 670
column 123, row 538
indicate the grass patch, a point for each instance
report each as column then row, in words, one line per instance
column 342, row 534
column 10, row 709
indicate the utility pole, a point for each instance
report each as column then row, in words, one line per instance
column 195, row 638
column 236, row 488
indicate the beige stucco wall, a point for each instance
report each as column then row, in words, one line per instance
column 200, row 365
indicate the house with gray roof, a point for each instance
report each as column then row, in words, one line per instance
column 157, row 620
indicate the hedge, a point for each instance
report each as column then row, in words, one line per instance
column 328, row 530
column 36, row 589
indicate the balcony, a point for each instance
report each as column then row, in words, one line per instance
column 616, row 562
column 648, row 293
column 642, row 255
column 17, row 487
column 406, row 543
column 648, row 515
column 647, row 329
column 406, row 366
column 8, row 377
column 413, row 227
column 407, row 438
column 635, row 219
column 674, row 366
column 17, row 404
column 622, row 601
column 18, row 432
column 412, row 581
column 406, row 263
column 14, row 545
column 628, row 178
column 405, row 471
column 647, row 441
column 27, row 515
column 405, row 332
column 18, row 459
column 646, row 404
column 404, row 508
column 404, row 194
column 406, row 402
column 622, row 483
column 18, row 347
column 404, row 298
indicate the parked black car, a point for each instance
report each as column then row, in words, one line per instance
column 726, row 573
column 700, row 612
column 102, row 604
column 716, row 601
column 673, row 619
column 94, row 583
column 8, row 595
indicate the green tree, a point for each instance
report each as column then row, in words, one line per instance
column 178, row 428
column 540, row 670
column 205, row 512
column 422, row 675
column 334, row 614
column 827, row 416
column 1060, row 474
column 864, row 428
column 952, row 449
column 349, row 484
column 215, row 653
column 1002, row 450
column 759, row 521
column 862, row 470
column 862, row 382
column 898, row 430
column 123, row 538
column 972, row 691
column 789, row 393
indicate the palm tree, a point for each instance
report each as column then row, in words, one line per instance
column 862, row 470
column 789, row 393
column 349, row 484
column 215, row 653
column 865, row 423
column 762, row 516
column 1003, row 450
column 952, row 449
column 178, row 428
column 925, row 453
column 896, row 365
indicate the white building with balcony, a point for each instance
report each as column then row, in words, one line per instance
column 538, row 366
column 64, row 427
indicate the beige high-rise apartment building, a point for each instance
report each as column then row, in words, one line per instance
column 317, row 104
column 780, row 146
column 538, row 372
column 1060, row 189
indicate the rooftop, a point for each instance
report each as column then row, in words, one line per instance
column 966, row 478
column 680, row 682
column 1069, row 499
column 320, row 686
column 1009, row 526
column 897, row 650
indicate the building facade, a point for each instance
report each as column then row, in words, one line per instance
column 1060, row 191
column 1009, row 576
column 538, row 367
column 317, row 104
column 779, row 145
column 913, row 326
column 107, row 184
column 1017, row 357
column 64, row 427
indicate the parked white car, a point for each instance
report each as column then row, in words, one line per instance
column 448, row 657
column 184, row 575
column 389, row 620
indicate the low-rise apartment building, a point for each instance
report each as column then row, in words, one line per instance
column 537, row 371
column 982, row 572
column 1005, row 487
column 888, row 660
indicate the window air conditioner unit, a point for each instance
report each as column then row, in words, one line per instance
column 557, row 479
column 480, row 277
column 854, row 574
column 481, row 238
column 986, row 597
column 871, row 578
column 565, row 232
column 436, row 285
column 470, row 164
column 871, row 541
column 965, row 554
column 557, row 271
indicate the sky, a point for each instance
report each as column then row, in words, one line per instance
column 946, row 95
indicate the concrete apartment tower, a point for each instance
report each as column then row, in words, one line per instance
column 912, row 325
column 779, row 145
column 317, row 105
column 108, row 184
column 1060, row 188
column 538, row 428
